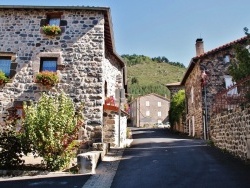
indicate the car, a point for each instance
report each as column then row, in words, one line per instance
column 161, row 125
column 167, row 125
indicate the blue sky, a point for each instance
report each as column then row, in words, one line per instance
column 167, row 27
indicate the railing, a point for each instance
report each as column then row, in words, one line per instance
column 233, row 97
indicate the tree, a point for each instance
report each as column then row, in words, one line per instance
column 51, row 125
column 239, row 68
column 177, row 107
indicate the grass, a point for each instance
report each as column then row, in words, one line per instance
column 153, row 73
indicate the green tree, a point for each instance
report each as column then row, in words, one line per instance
column 239, row 67
column 52, row 125
column 177, row 107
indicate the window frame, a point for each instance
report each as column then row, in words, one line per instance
column 6, row 58
column 159, row 113
column 54, row 15
column 159, row 104
column 147, row 103
column 42, row 59
column 147, row 113
column 13, row 64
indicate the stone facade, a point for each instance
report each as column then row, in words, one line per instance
column 149, row 109
column 111, row 130
column 86, row 60
column 231, row 131
column 199, row 98
column 174, row 88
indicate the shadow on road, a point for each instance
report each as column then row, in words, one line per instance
column 75, row 181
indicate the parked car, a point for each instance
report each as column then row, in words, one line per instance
column 161, row 125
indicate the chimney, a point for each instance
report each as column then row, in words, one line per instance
column 199, row 47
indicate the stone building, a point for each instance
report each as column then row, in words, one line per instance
column 206, row 75
column 83, row 55
column 149, row 109
column 174, row 88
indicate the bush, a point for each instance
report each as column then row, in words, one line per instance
column 11, row 143
column 52, row 126
column 177, row 107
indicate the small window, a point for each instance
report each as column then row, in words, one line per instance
column 227, row 59
column 147, row 103
column 159, row 114
column 159, row 104
column 147, row 113
column 54, row 19
column 48, row 64
column 5, row 63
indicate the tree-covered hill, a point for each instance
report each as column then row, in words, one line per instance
column 150, row 75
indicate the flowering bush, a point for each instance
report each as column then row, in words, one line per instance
column 52, row 30
column 110, row 101
column 3, row 78
column 47, row 78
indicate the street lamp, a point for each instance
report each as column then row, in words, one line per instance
column 204, row 79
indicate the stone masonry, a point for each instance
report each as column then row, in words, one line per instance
column 213, row 62
column 84, row 61
column 231, row 131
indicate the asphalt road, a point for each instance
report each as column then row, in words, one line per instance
column 159, row 159
column 74, row 181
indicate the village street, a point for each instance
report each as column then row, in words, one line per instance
column 159, row 158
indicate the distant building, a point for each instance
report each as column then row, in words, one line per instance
column 149, row 109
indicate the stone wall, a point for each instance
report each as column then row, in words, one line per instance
column 231, row 131
column 194, row 104
column 110, row 127
column 84, row 63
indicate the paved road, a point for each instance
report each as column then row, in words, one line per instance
column 74, row 181
column 159, row 159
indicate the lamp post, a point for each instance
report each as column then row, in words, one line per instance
column 204, row 79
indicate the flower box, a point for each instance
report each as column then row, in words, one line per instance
column 51, row 30
column 47, row 78
column 3, row 78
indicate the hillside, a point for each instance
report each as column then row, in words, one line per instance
column 150, row 75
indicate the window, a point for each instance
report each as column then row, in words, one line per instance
column 147, row 113
column 48, row 64
column 54, row 19
column 147, row 103
column 5, row 63
column 227, row 59
column 159, row 114
column 229, row 82
column 159, row 104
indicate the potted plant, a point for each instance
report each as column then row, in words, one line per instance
column 51, row 30
column 3, row 78
column 47, row 78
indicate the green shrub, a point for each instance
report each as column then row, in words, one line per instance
column 11, row 143
column 177, row 107
column 52, row 126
